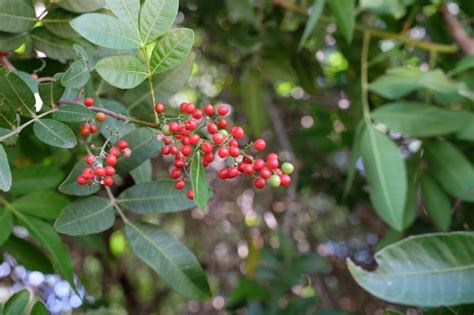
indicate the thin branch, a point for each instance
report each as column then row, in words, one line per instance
column 457, row 31
column 29, row 122
column 7, row 64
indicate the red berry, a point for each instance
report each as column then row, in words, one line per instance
column 90, row 159
column 109, row 170
column 159, row 108
column 179, row 164
column 212, row 128
column 223, row 174
column 114, row 151
column 100, row 117
column 108, row 181
column 89, row 101
column 209, row 157
column 222, row 123
column 186, row 150
column 190, row 194
column 222, row 110
column 167, row 141
column 233, row 143
column 179, row 184
column 122, row 144
column 93, row 129
column 191, row 124
column 174, row 126
column 265, row 173
column 100, row 171
column 173, row 149
column 85, row 130
column 248, row 169
column 209, row 109
column 234, row 151
column 206, row 147
column 183, row 106
column 259, row 144
column 197, row 114
column 190, row 108
column 272, row 156
column 273, row 164
column 259, row 183
column 223, row 152
column 111, row 160
column 81, row 180
column 259, row 164
column 285, row 179
column 175, row 173
column 194, row 139
column 232, row 172
column 218, row 138
column 237, row 132
column 88, row 173
column 165, row 150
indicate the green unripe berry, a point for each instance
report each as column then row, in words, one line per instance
column 224, row 132
column 274, row 181
column 166, row 130
column 287, row 168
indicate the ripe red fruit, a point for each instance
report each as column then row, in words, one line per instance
column 108, row 181
column 237, row 132
column 186, row 150
column 209, row 157
column 109, row 170
column 273, row 164
column 232, row 172
column 100, row 171
column 179, row 184
column 174, row 126
column 285, row 179
column 260, row 183
column 88, row 173
column 222, row 123
column 165, row 150
column 185, row 140
column 173, row 149
column 218, row 138
column 194, row 139
column 85, row 132
column 190, row 108
column 183, row 106
column 223, row 152
column 100, row 117
column 233, row 143
column 179, row 164
column 81, row 180
column 111, row 160
column 175, row 173
column 206, row 147
column 234, row 151
column 89, row 101
column 222, row 110
column 159, row 108
column 122, row 144
column 258, row 164
column 90, row 159
column 93, row 129
column 222, row 173
column 212, row 128
column 191, row 124
column 259, row 144
column 197, row 114
column 265, row 173
column 248, row 169
column 167, row 141
column 209, row 109
column 190, row 194
column 272, row 156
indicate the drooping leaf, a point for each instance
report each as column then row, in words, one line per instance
column 124, row 72
column 252, row 93
column 143, row 173
column 157, row 17
column 143, row 143
column 171, row 49
column 54, row 133
column 451, row 169
column 17, row 303
column 386, row 174
column 106, row 31
column 5, row 173
column 199, row 181
column 16, row 93
column 35, row 177
column 86, row 216
column 408, row 270
column 57, row 22
column 70, row 186
column 50, row 92
column 28, row 255
column 77, row 75
column 53, row 46
column 419, row 120
column 42, row 204
column 81, row 6
column 436, row 202
column 16, row 16
column 154, row 197
column 344, row 13
column 316, row 11
column 127, row 12
column 10, row 41
column 6, row 222
column 39, row 309
column 169, row 258
column 73, row 113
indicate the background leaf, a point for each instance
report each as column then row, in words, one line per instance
column 11, row 41
column 54, row 133
column 42, row 204
column 28, row 255
column 6, row 222
column 35, row 177
column 5, row 173
column 73, row 113
column 53, row 46
column 39, row 309
column 81, row 6
column 77, row 75
column 252, row 94
column 16, row 16
column 436, row 202
column 50, row 92
column 199, row 181
column 171, row 49
column 124, row 72
column 143, row 173
column 316, row 11
column 17, row 303
column 143, row 143
column 344, row 13
column 157, row 17
column 57, row 22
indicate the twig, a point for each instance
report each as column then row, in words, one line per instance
column 46, row 79
column 457, row 31
column 8, row 65
column 29, row 122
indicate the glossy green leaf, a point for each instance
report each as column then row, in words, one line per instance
column 169, row 258
column 73, row 113
column 157, row 17
column 436, row 202
column 54, row 133
column 344, row 13
column 77, row 75
column 426, row 270
column 451, row 169
column 386, row 175
column 143, row 173
column 316, row 11
column 53, row 46
column 127, row 12
column 5, row 173
column 143, row 143
column 81, row 6
column 199, row 181
column 16, row 93
column 6, row 222
column 171, row 49
column 154, row 197
column 419, row 120
column 28, row 255
column 17, row 303
column 39, row 309
column 464, row 64
column 71, row 187
column 35, row 177
column 86, row 216
column 252, row 93
column 124, row 72
column 106, row 31
column 10, row 41
column 42, row 204
column 57, row 22
column 50, row 92
column 16, row 16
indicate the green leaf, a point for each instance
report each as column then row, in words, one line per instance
column 112, row 126
column 124, row 72
column 42, row 204
column 81, row 6
column 39, row 309
column 57, row 22
column 157, row 17
column 11, row 41
column 467, row 133
column 252, row 94
column 316, row 11
column 127, row 12
column 5, row 173
column 396, row 83
column 169, row 258
column 143, row 143
column 47, row 237
column 35, row 177
column 8, row 116
column 143, row 173
column 73, row 113
column 16, row 93
column 6, row 222
column 344, row 13
column 50, row 92
column 464, row 64
column 53, row 46
column 437, row 81
column 426, row 270
column 154, row 197
column 451, row 169
column 199, row 181
column 386, row 175
column 355, row 154
column 419, row 120
column 16, row 16
column 28, row 255
column 54, row 133
column 106, row 31
column 76, row 76
column 395, row 8
column 86, row 216
column 17, row 303
column 71, row 187
column 436, row 202
column 171, row 49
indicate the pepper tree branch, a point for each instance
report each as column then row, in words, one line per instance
column 456, row 29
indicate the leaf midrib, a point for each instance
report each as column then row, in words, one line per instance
column 108, row 206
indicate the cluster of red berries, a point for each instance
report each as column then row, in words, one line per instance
column 207, row 131
column 88, row 128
